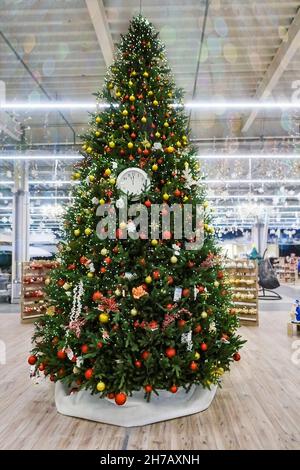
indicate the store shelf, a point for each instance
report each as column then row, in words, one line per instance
column 243, row 278
column 33, row 296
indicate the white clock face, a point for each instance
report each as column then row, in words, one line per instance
column 133, row 181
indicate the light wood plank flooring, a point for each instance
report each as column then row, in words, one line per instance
column 257, row 408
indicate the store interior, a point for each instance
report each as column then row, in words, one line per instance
column 53, row 57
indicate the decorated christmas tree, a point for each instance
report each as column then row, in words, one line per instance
column 133, row 305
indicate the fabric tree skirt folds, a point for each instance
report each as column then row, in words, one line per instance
column 136, row 411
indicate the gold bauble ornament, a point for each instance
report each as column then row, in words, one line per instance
column 154, row 167
column 166, row 196
column 155, row 103
column 150, row 93
column 144, row 119
column 112, row 180
column 104, row 252
column 130, row 83
column 118, row 94
column 97, row 133
column 170, row 149
column 104, row 317
column 102, row 201
column 178, row 143
column 76, row 232
column 110, row 86
column 146, row 74
column 90, row 275
column 130, row 145
column 133, row 312
column 148, row 280
column 88, row 231
column 196, row 356
column 157, row 134
column 98, row 119
column 204, row 314
column 125, row 112
column 89, row 150
column 154, row 242
column 112, row 144
column 166, row 124
column 47, row 281
column 100, row 386
column 173, row 259
column 131, row 98
column 92, row 178
column 126, row 127
column 107, row 172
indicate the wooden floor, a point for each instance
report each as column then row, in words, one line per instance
column 257, row 408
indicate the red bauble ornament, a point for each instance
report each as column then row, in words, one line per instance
column 115, row 249
column 198, row 329
column 107, row 260
column 61, row 372
column 111, row 395
column 225, row 337
column 167, row 235
column 42, row 367
column 97, row 296
column 138, row 364
column 74, row 359
column 133, row 135
column 120, row 398
column 236, row 356
column 177, row 192
column 173, row 389
column 131, row 158
column 148, row 203
column 102, row 270
column 60, row 282
column 84, row 348
column 190, row 264
column 203, row 347
column 193, row 366
column 132, row 108
column 170, row 280
column 201, row 289
column 156, row 275
column 146, row 152
column 170, row 352
column 71, row 267
column 61, row 354
column 169, row 306
column 148, row 388
column 145, row 355
column 99, row 345
column 181, row 323
column 164, row 137
column 118, row 233
column 122, row 152
column 153, row 325
column 220, row 275
column 160, row 161
column 83, row 259
column 32, row 360
column 140, row 151
column 88, row 374
column 52, row 378
column 186, row 292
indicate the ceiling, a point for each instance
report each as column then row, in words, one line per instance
column 233, row 50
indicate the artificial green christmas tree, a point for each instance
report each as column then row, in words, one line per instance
column 130, row 312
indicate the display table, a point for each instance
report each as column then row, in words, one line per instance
column 136, row 411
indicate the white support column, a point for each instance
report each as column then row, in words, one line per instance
column 20, row 242
column 97, row 13
column 260, row 234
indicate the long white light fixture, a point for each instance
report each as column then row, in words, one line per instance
column 251, row 181
column 213, row 156
column 246, row 156
column 252, row 196
column 204, row 105
column 41, row 157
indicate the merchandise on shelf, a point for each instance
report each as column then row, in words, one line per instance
column 34, row 274
column 243, row 278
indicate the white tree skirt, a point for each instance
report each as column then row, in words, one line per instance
column 136, row 411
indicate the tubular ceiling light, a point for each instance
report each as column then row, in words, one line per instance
column 205, row 105
column 41, row 157
column 245, row 156
column 250, row 181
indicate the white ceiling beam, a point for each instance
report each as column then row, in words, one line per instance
column 277, row 67
column 97, row 13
